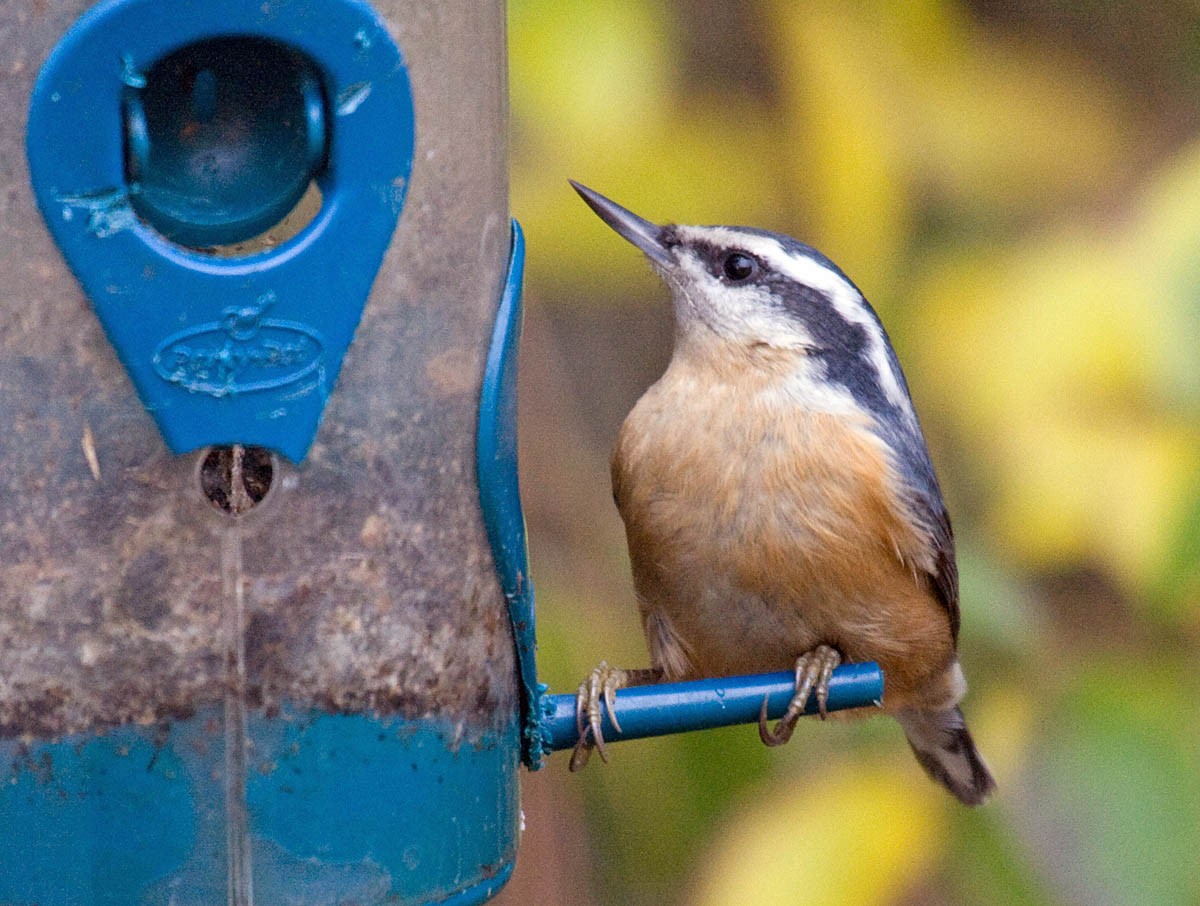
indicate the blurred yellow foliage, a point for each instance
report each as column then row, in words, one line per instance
column 605, row 118
column 1052, row 357
column 888, row 103
column 1004, row 722
column 996, row 180
column 856, row 835
column 593, row 71
column 846, row 154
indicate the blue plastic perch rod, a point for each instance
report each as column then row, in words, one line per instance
column 702, row 704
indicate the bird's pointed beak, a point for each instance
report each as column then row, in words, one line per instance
column 645, row 235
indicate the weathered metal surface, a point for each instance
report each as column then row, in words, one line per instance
column 364, row 575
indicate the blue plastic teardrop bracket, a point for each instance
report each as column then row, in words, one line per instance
column 135, row 180
column 500, row 493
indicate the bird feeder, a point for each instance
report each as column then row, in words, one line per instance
column 266, row 625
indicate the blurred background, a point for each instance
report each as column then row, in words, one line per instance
column 1016, row 188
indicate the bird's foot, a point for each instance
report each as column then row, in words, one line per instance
column 601, row 685
column 813, row 670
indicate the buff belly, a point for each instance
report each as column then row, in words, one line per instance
column 755, row 539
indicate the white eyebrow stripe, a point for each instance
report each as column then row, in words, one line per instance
column 847, row 301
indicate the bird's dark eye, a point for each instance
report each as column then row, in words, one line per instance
column 739, row 266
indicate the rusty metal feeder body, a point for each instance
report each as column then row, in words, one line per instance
column 254, row 645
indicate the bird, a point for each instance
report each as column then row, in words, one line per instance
column 780, row 504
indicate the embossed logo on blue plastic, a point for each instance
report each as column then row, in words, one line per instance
column 242, row 353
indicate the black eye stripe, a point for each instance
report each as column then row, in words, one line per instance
column 844, row 347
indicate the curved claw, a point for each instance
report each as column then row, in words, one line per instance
column 828, row 663
column 610, row 699
column 581, row 753
column 813, row 672
column 601, row 684
column 782, row 733
column 583, row 747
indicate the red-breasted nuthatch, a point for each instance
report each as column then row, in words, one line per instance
column 779, row 501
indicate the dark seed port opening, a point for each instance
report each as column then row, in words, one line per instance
column 236, row 478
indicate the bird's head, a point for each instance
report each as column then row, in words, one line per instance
column 761, row 296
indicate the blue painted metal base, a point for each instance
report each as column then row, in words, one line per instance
column 339, row 809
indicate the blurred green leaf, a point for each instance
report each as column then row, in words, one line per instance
column 1177, row 590
column 984, row 864
column 1117, row 789
column 996, row 610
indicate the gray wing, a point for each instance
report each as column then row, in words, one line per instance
column 904, row 437
column 927, row 505
column 944, row 580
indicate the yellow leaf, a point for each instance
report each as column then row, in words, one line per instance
column 1005, row 724
column 843, row 144
column 889, row 106
column 1049, row 357
column 583, row 72
column 855, row 835
column 687, row 168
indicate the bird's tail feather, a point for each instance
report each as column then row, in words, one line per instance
column 946, row 751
